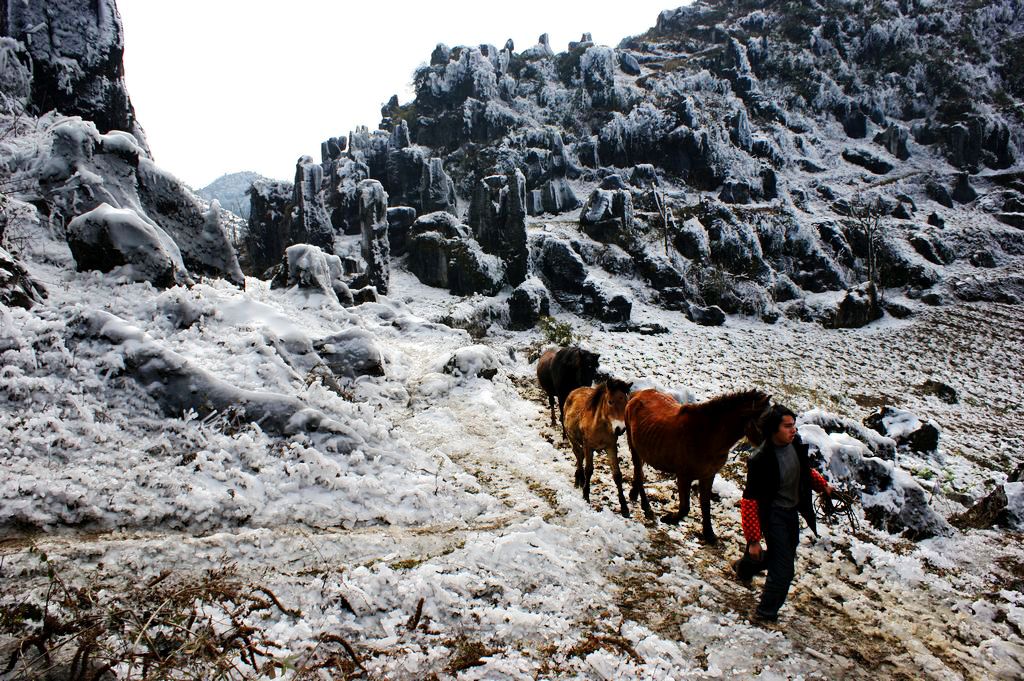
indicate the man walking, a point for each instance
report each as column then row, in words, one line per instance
column 778, row 491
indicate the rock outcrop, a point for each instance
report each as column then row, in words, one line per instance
column 74, row 55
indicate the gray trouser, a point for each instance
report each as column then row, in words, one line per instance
column 781, row 535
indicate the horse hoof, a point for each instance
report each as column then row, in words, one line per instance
column 634, row 494
column 625, row 512
column 670, row 519
column 710, row 540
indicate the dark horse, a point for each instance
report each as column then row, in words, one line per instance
column 594, row 419
column 689, row 441
column 562, row 371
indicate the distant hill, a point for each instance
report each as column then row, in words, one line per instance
column 230, row 189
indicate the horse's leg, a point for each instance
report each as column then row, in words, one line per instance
column 561, row 417
column 551, row 406
column 613, row 459
column 637, row 488
column 683, row 485
column 578, row 451
column 705, row 508
column 589, row 472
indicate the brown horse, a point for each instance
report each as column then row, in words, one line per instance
column 594, row 419
column 562, row 371
column 690, row 441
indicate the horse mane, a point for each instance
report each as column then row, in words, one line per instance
column 727, row 402
column 597, row 396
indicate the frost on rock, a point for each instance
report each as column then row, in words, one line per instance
column 906, row 428
column 891, row 498
column 474, row 361
column 74, row 52
column 375, row 247
column 309, row 268
column 199, row 231
column 350, row 353
column 311, row 224
column 17, row 287
column 268, row 235
column 179, row 386
column 83, row 169
column 497, row 215
column 107, row 237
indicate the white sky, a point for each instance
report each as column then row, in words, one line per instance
column 227, row 85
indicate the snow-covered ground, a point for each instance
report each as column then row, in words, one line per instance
column 440, row 534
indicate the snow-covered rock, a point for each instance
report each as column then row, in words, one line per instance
column 108, row 237
column 309, row 268
column 891, row 498
column 74, row 52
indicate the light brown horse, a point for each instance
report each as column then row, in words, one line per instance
column 594, row 419
column 689, row 441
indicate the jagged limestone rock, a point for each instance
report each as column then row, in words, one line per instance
column 400, row 221
column 437, row 190
column 373, row 221
column 270, row 207
column 498, row 218
column 75, row 52
column 311, row 225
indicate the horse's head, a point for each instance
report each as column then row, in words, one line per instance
column 616, row 397
column 759, row 405
column 589, row 362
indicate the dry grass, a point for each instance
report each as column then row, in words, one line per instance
column 172, row 626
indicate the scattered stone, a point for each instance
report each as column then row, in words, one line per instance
column 712, row 315
column 351, row 353
column 603, row 304
column 936, row 192
column 898, row 310
column 983, row 259
column 867, row 160
column 648, row 329
column 902, row 212
column 939, row 389
column 858, row 308
column 894, row 139
column 309, row 268
column 629, row 65
column 989, row 512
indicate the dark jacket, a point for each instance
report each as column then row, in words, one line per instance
column 763, row 481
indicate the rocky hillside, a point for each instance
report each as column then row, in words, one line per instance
column 341, row 465
column 739, row 156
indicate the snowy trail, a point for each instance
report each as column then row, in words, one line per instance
column 550, row 586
